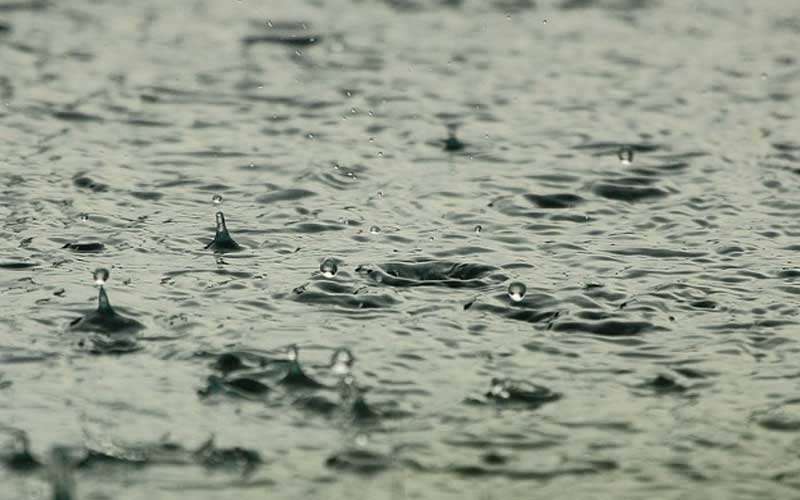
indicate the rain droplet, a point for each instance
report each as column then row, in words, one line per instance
column 516, row 291
column 625, row 155
column 100, row 276
column 328, row 268
column 342, row 361
column 380, row 154
column 478, row 229
column 374, row 230
column 216, row 199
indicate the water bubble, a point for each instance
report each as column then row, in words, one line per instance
column 292, row 353
column 625, row 155
column 380, row 154
column 216, row 199
column 84, row 217
column 380, row 194
column 516, row 291
column 478, row 229
column 328, row 268
column 374, row 230
column 342, row 361
column 100, row 276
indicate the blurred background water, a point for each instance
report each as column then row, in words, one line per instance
column 488, row 249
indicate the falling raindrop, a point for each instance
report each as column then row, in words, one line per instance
column 516, row 291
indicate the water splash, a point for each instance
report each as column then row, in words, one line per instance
column 222, row 242
column 105, row 319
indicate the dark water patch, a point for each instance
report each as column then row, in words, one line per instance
column 658, row 253
column 147, row 195
column 17, row 265
column 4, row 29
column 621, row 192
column 85, row 247
column 664, row 384
column 281, row 195
column 562, row 200
column 314, row 227
column 294, row 40
column 609, row 328
column 76, row 116
column 364, row 461
column 31, row 5
column 244, row 387
column 15, row 454
column 84, row 182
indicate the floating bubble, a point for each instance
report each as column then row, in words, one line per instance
column 216, row 199
column 342, row 361
column 374, row 230
column 516, row 291
column 100, row 276
column 625, row 155
column 328, row 268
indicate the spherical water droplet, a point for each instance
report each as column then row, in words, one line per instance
column 625, row 155
column 328, row 268
column 100, row 276
column 342, row 362
column 380, row 154
column 291, row 353
column 374, row 230
column 216, row 199
column 84, row 217
column 516, row 291
column 478, row 229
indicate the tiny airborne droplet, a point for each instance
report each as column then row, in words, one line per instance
column 328, row 268
column 100, row 276
column 342, row 362
column 625, row 155
column 516, row 291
